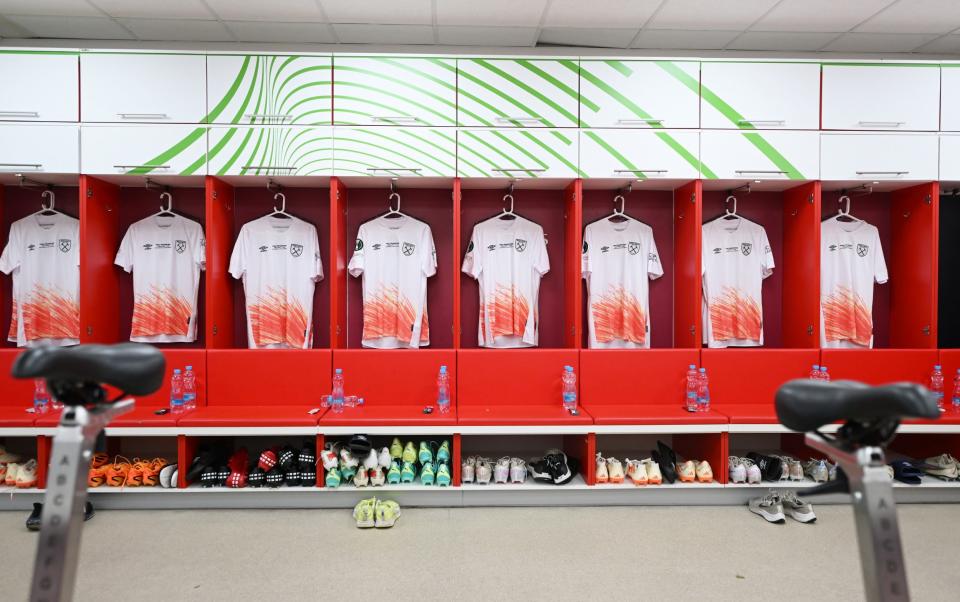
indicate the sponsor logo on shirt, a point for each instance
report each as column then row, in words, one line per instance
column 653, row 257
column 65, row 244
column 376, row 246
column 296, row 250
column 633, row 248
column 264, row 248
column 716, row 250
column 862, row 250
column 181, row 246
column 31, row 247
column 147, row 246
column 393, row 245
column 520, row 244
column 491, row 247
column 408, row 248
column 604, row 249
column 745, row 248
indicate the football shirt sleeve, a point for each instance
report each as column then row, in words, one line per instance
column 654, row 265
column 541, row 261
column 125, row 253
column 356, row 265
column 472, row 264
column 12, row 255
column 879, row 263
column 429, row 263
column 199, row 246
column 766, row 260
column 315, row 247
column 239, row 257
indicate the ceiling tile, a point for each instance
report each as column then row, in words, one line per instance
column 781, row 40
column 670, row 39
column 273, row 10
column 819, row 15
column 178, row 30
column 460, row 35
column 69, row 8
column 943, row 45
column 597, row 37
column 81, row 28
column 514, row 13
column 878, row 42
column 916, row 16
column 601, row 13
column 397, row 12
column 305, row 33
column 355, row 33
column 169, row 9
column 709, row 14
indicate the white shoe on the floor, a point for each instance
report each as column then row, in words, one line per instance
column 796, row 508
column 769, row 507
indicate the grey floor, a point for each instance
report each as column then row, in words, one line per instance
column 690, row 553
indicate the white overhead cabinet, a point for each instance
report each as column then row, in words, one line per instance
column 39, row 148
column 639, row 94
column 879, row 157
column 523, row 93
column 517, row 153
column 950, row 157
column 388, row 90
column 881, row 97
column 254, row 89
column 760, row 96
column 143, row 88
column 270, row 150
column 39, row 87
column 950, row 98
column 395, row 152
column 619, row 153
column 760, row 155
column 143, row 149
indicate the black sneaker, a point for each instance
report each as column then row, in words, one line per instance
column 286, row 458
column 306, row 457
column 292, row 477
column 256, row 478
column 308, row 475
column 553, row 468
column 223, row 473
column 274, row 478
column 360, row 446
column 770, row 467
column 209, row 477
column 667, row 459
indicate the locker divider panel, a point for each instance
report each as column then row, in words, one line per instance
column 219, row 284
column 338, row 258
column 99, row 282
column 801, row 266
column 687, row 281
column 913, row 266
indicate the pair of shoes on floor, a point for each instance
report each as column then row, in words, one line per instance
column 774, row 506
column 35, row 520
column 555, row 468
column 372, row 512
column 644, row 472
column 19, row 475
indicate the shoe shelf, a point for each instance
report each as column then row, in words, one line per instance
column 577, row 482
column 627, row 485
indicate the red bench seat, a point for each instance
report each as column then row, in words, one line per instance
column 249, row 416
column 13, row 417
column 389, row 415
column 640, row 414
column 520, row 415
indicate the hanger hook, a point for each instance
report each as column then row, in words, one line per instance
column 283, row 202
column 840, row 201
column 619, row 199
column 394, row 195
column 509, row 197
column 727, row 201
column 169, row 199
column 48, row 194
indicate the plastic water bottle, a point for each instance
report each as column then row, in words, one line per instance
column 336, row 402
column 956, row 392
column 703, row 392
column 815, row 372
column 189, row 389
column 569, row 389
column 176, row 391
column 936, row 385
column 824, row 375
column 443, row 391
column 41, row 399
column 690, row 396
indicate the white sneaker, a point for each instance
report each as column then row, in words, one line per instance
column 518, row 470
column 784, row 467
column 615, row 470
column 816, row 470
column 384, row 460
column 796, row 469
column 754, row 475
column 704, row 472
column 796, row 508
column 769, row 507
column 361, row 478
column 27, row 475
column 738, row 472
column 467, row 469
column 686, row 471
column 371, row 460
column 636, row 471
column 653, row 472
column 376, row 476
column 329, row 459
column 602, row 475
column 484, row 471
column 166, row 476
column 501, row 472
column 12, row 469
column 348, row 459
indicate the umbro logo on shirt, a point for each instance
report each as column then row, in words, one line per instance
column 604, row 249
column 263, row 248
column 31, row 247
column 376, row 246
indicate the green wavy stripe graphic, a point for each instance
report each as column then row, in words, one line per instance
column 215, row 150
column 293, row 156
column 358, row 99
column 364, row 143
column 510, row 142
column 296, row 149
column 618, row 66
column 300, row 88
column 404, row 84
column 526, row 88
column 736, row 118
column 404, row 145
column 231, row 91
column 549, row 149
column 616, row 154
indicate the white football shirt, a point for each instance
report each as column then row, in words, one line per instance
column 395, row 257
column 851, row 260
column 279, row 262
column 619, row 260
column 507, row 258
column 43, row 252
column 166, row 254
column 736, row 257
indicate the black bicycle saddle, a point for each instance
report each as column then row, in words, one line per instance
column 805, row 405
column 131, row 367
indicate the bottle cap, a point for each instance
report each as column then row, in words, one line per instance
column 176, row 370
column 443, row 369
column 339, row 370
column 816, row 366
column 703, row 370
column 189, row 367
column 568, row 368
column 693, row 366
column 823, row 368
column 937, row 367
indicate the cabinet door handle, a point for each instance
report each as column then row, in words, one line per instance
column 631, row 121
column 621, row 171
column 143, row 116
column 762, row 171
column 512, row 169
column 23, row 114
column 882, row 173
column 21, row 166
column 128, row 167
column 397, row 118
column 520, row 119
column 266, row 117
column 761, row 121
column 415, row 170
column 881, row 124
column 267, row 167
